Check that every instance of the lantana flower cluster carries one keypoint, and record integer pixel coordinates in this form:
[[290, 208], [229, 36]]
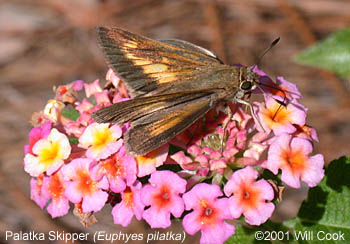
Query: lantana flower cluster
[[206, 176]]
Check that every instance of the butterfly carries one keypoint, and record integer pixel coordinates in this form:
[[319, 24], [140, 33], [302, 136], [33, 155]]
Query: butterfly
[[172, 83]]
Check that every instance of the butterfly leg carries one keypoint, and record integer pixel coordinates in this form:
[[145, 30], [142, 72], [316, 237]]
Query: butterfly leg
[[251, 111], [228, 111], [248, 98]]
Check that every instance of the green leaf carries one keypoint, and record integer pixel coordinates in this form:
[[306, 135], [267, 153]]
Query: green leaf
[[327, 208], [333, 53], [73, 140], [70, 113]]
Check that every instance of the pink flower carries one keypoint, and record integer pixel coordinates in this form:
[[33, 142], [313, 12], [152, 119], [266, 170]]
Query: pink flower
[[100, 140], [184, 161], [54, 188], [217, 162], [148, 163], [290, 154], [84, 106], [290, 89], [36, 134], [102, 98], [255, 149], [49, 154], [119, 168], [78, 85], [306, 132], [52, 110], [279, 118], [36, 193], [163, 195], [92, 88], [68, 93], [84, 119], [249, 197], [82, 188], [208, 214], [110, 75], [130, 205]]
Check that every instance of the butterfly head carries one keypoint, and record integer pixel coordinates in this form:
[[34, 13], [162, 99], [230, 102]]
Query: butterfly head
[[249, 80]]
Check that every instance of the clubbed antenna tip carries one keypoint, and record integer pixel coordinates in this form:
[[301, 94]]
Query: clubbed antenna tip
[[268, 49]]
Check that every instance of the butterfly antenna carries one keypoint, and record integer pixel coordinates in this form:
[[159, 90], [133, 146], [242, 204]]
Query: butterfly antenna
[[268, 49], [282, 103]]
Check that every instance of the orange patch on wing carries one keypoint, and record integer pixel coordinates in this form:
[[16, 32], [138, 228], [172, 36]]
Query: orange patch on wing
[[137, 60], [155, 68], [164, 77], [160, 128], [130, 44], [177, 118]]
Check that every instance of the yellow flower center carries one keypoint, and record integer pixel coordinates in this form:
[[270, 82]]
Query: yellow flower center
[[49, 154], [102, 138], [276, 114], [147, 158]]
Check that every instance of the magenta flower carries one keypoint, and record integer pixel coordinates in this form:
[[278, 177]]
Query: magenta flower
[[36, 192], [208, 214], [249, 197], [100, 140], [82, 188], [130, 205], [163, 195], [54, 188], [291, 155], [119, 168], [36, 134], [78, 85]]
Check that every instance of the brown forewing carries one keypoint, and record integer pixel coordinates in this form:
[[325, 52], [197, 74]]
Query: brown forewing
[[150, 67]]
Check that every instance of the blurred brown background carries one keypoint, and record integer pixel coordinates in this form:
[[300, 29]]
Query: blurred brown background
[[52, 42]]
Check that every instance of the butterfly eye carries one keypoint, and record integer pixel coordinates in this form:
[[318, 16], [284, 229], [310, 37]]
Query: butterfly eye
[[246, 85]]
